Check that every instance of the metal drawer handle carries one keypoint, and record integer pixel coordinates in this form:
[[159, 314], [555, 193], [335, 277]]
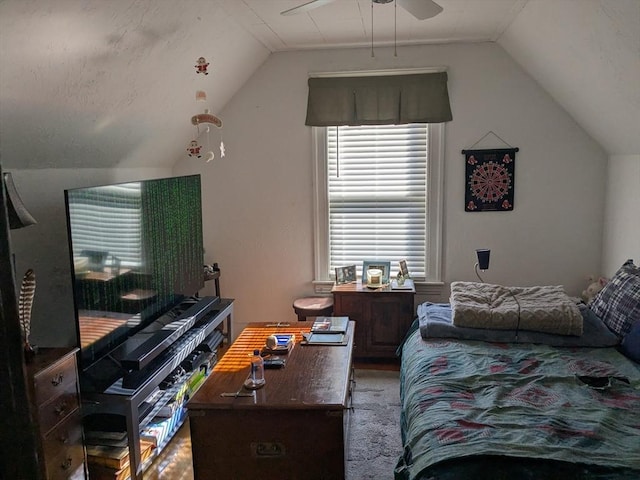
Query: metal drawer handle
[[64, 438], [66, 465], [61, 409], [57, 380]]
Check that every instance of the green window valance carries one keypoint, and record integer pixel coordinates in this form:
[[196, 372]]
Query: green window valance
[[378, 100]]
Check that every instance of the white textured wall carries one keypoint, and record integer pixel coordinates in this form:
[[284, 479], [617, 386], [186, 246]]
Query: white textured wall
[[258, 200], [622, 214], [93, 84], [586, 54]]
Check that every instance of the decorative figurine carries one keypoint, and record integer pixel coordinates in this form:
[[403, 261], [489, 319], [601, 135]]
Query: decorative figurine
[[202, 65], [194, 149]]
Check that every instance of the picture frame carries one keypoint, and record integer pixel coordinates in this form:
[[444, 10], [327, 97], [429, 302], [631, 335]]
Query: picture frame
[[404, 270], [383, 265], [345, 274]]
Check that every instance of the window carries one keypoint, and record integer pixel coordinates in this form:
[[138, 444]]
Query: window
[[378, 196]]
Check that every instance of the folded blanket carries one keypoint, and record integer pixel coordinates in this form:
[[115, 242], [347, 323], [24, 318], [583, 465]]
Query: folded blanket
[[435, 322], [540, 309]]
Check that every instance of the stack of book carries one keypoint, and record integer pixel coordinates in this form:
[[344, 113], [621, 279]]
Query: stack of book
[[112, 463], [159, 430]]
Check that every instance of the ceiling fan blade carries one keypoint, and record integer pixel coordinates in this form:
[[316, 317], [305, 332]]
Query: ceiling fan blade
[[421, 9], [305, 7]]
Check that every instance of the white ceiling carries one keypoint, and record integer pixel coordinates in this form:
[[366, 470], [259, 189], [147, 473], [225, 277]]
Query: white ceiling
[[348, 23], [94, 83]]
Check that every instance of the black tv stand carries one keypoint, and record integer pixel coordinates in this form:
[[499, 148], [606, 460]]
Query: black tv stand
[[210, 322]]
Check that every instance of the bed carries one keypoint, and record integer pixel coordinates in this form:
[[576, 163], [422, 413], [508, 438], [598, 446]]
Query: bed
[[515, 403]]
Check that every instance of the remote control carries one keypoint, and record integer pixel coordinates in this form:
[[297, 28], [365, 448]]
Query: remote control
[[274, 362]]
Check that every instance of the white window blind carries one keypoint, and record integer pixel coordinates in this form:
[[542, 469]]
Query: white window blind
[[377, 195], [108, 219]]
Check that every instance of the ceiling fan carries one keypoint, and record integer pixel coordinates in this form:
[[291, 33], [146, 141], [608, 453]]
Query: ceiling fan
[[421, 9]]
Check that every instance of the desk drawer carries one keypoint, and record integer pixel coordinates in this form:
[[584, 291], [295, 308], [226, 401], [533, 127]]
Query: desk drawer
[[53, 381], [54, 411], [63, 448]]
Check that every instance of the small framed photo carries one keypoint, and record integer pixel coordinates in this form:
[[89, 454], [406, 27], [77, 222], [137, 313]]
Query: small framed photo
[[345, 274], [404, 270], [379, 265]]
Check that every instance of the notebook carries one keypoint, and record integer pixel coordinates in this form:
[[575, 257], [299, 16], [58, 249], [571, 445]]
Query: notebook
[[328, 325], [325, 339]]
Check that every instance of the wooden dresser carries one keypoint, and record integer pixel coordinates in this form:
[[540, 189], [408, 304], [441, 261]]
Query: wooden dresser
[[53, 383], [382, 317]]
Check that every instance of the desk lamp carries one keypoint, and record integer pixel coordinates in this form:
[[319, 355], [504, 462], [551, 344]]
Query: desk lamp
[[483, 261], [19, 216]]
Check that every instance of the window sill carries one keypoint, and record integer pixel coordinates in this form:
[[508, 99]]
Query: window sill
[[422, 288]]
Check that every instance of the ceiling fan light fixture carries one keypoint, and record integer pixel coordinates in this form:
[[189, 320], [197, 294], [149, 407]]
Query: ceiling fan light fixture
[[421, 9], [305, 7]]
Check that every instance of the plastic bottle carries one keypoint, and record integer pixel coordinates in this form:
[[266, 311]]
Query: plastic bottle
[[256, 377]]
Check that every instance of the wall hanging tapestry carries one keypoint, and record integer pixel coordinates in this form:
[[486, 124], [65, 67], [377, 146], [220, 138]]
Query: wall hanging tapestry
[[489, 177]]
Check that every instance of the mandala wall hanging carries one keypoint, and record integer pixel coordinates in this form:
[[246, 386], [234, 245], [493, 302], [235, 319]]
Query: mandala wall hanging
[[489, 178]]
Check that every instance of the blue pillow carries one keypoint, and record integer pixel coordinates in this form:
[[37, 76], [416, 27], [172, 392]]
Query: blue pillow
[[631, 343]]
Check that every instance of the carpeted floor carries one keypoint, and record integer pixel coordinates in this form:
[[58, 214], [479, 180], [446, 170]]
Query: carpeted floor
[[374, 428]]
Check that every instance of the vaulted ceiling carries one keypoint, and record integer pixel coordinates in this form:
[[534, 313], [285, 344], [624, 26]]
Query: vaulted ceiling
[[89, 83]]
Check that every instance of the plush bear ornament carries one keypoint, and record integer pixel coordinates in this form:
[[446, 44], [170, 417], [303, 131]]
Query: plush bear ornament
[[593, 288]]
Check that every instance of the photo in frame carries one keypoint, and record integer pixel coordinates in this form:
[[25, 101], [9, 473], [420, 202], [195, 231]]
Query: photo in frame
[[378, 264], [404, 270], [345, 274]]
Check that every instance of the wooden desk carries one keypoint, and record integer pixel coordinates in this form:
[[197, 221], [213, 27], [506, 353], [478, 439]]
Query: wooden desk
[[383, 317], [292, 428]]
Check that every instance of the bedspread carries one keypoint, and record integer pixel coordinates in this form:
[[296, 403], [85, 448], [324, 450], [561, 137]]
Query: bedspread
[[542, 308], [462, 399]]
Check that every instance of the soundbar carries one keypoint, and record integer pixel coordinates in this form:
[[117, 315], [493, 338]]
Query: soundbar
[[173, 356], [144, 354]]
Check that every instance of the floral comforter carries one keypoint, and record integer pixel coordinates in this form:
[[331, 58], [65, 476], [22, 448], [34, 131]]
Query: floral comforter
[[470, 404]]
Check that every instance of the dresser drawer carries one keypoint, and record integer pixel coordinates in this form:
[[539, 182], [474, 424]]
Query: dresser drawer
[[58, 408], [69, 464], [55, 380], [63, 449]]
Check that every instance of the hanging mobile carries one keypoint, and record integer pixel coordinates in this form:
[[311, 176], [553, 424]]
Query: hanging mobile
[[204, 118], [210, 154]]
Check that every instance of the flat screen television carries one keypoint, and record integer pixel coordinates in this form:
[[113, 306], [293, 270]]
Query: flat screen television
[[136, 253]]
